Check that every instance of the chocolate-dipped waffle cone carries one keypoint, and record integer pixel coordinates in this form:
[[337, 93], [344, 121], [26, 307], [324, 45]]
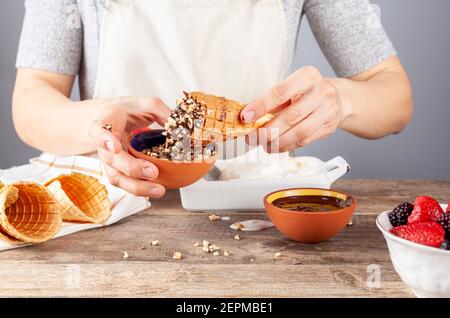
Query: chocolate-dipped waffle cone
[[222, 119], [82, 198], [28, 213]]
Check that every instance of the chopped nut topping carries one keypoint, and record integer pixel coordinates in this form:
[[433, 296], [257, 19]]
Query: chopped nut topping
[[177, 256], [277, 255], [239, 226], [205, 243], [216, 253], [142, 247], [154, 243], [350, 223], [179, 130], [213, 217], [108, 127], [206, 249], [213, 248], [196, 244], [237, 237], [226, 253], [125, 255]]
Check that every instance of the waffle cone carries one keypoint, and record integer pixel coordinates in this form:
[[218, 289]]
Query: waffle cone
[[29, 213], [222, 120], [82, 198]]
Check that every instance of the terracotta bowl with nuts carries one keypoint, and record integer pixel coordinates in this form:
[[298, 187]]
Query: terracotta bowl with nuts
[[172, 174], [309, 215]]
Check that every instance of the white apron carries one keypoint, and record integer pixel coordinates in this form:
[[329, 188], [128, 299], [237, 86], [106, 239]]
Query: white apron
[[158, 48]]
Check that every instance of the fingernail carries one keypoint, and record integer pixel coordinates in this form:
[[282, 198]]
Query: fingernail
[[109, 145], [155, 192], [148, 172], [248, 116]]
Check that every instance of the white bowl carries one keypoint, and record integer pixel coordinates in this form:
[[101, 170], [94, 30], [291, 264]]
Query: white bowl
[[426, 270]]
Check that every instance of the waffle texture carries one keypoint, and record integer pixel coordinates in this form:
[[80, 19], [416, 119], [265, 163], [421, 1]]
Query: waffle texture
[[222, 119], [29, 213], [82, 198]]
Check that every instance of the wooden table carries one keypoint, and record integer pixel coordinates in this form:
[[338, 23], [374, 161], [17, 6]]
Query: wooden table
[[91, 263]]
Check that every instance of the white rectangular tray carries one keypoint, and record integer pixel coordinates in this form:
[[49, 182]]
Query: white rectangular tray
[[248, 194]]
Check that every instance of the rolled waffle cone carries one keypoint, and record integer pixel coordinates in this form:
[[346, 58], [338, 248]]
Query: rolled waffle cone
[[222, 120], [28, 213], [82, 198]]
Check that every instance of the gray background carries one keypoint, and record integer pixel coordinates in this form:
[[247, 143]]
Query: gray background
[[420, 32]]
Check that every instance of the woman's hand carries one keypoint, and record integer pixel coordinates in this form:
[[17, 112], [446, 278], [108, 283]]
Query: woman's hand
[[125, 115], [307, 108]]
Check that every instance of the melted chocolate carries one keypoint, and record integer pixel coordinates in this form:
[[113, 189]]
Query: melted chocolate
[[311, 203]]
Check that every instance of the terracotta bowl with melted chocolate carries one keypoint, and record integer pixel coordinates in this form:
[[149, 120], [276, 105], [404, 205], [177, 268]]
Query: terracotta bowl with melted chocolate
[[309, 215], [172, 174]]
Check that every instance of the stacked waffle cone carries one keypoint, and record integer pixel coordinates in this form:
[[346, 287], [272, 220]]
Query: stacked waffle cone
[[33, 213], [29, 213], [82, 198], [222, 119]]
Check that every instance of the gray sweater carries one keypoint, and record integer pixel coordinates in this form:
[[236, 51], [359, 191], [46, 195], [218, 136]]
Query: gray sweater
[[62, 36]]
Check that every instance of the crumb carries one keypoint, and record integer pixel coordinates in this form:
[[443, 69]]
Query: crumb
[[196, 244], [226, 253], [213, 217], [125, 255], [108, 127], [216, 253], [206, 249], [225, 218], [177, 256], [205, 243], [350, 223], [239, 226], [213, 248], [277, 255], [154, 243], [142, 247], [237, 237], [252, 260]]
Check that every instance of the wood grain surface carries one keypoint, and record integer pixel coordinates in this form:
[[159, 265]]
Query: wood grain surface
[[91, 263]]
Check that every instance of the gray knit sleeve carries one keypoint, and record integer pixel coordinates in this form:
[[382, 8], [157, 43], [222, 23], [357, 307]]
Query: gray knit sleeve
[[51, 37], [349, 33]]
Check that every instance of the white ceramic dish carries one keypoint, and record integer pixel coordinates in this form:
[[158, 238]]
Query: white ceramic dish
[[240, 194], [426, 270]]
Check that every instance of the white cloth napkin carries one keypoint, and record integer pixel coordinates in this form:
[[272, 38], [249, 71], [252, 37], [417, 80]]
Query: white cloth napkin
[[48, 166]]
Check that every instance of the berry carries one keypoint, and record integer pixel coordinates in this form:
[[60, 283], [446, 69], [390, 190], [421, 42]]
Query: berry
[[426, 209], [399, 216], [446, 245], [427, 233], [444, 220], [448, 207]]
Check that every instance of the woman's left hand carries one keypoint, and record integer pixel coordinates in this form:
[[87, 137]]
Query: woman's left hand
[[307, 108]]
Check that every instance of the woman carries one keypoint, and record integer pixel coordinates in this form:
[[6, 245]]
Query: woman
[[152, 50]]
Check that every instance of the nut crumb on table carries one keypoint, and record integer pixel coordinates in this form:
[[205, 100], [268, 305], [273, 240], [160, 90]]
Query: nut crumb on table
[[177, 256], [125, 255], [154, 243]]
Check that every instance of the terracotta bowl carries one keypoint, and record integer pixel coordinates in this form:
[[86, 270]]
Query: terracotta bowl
[[309, 227], [172, 174]]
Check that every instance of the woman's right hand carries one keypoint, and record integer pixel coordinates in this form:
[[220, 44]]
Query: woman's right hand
[[126, 114]]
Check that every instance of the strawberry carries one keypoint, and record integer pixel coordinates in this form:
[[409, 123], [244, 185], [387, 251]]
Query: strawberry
[[425, 209], [448, 207], [427, 233]]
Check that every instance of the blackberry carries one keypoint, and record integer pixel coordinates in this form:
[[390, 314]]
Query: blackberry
[[399, 216], [444, 220], [446, 245]]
